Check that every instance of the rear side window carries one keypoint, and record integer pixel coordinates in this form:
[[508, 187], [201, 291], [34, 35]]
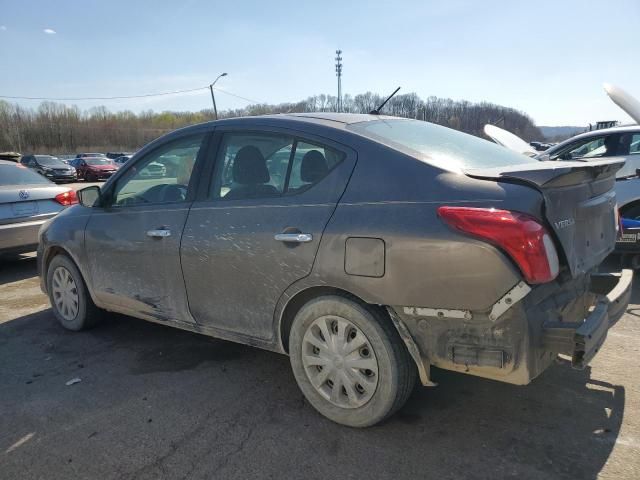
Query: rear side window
[[19, 175], [311, 163], [439, 146], [262, 165]]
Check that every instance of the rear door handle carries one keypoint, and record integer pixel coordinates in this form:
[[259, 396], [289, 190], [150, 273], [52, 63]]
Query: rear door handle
[[160, 233], [294, 237]]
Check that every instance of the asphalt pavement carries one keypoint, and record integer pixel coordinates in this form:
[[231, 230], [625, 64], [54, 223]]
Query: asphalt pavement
[[155, 402]]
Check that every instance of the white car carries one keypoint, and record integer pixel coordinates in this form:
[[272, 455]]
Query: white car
[[611, 143]]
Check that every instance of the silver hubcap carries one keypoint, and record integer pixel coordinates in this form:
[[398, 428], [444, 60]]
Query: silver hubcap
[[65, 293], [340, 362]]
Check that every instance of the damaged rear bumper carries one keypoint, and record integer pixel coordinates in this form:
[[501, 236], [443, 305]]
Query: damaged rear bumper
[[583, 340], [571, 318]]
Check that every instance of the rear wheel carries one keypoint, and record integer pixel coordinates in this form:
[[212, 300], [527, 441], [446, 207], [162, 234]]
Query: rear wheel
[[349, 361], [70, 300]]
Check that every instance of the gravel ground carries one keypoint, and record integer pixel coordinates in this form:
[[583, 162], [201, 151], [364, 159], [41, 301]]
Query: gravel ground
[[155, 402]]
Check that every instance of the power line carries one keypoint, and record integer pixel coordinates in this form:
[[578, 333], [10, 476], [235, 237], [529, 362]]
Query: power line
[[104, 98], [124, 97], [237, 96]]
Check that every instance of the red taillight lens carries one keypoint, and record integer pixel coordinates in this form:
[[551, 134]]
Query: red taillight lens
[[67, 198], [522, 237]]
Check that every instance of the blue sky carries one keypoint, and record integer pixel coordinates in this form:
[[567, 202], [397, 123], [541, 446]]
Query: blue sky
[[547, 58]]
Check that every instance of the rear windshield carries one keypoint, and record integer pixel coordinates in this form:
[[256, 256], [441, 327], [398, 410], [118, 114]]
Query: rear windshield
[[20, 175], [439, 146]]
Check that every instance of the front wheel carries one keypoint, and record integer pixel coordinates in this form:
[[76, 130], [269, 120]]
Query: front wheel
[[70, 300], [349, 361]]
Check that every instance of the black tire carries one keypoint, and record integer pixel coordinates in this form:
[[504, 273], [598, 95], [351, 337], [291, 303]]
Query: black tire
[[88, 315], [396, 373], [89, 177]]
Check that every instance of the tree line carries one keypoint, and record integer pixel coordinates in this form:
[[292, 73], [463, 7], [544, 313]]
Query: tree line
[[58, 128]]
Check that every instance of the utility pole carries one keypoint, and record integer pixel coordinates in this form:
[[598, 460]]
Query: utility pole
[[213, 98], [339, 75]]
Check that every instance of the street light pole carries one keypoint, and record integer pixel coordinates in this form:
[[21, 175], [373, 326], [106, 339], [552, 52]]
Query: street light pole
[[213, 98]]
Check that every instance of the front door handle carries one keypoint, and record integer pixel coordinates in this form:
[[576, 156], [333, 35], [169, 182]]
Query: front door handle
[[294, 237], [159, 233]]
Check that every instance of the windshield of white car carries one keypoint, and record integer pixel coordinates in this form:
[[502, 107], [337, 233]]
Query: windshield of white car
[[439, 146]]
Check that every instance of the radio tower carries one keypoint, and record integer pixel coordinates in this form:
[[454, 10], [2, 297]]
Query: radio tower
[[339, 75]]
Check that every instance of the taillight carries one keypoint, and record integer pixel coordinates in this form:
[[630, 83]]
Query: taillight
[[522, 237], [67, 198]]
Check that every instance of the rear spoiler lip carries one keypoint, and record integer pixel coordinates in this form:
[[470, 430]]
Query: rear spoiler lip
[[542, 173]]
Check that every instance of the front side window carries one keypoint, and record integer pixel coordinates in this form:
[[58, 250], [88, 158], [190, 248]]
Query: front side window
[[590, 148], [162, 176]]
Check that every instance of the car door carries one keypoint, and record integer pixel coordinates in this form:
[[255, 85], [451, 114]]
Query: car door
[[257, 228], [133, 241]]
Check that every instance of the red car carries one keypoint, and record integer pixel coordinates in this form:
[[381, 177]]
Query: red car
[[94, 168]]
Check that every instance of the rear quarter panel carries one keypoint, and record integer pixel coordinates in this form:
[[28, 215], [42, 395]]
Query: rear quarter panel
[[395, 197]]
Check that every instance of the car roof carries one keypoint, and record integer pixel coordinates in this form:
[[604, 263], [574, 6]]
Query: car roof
[[595, 133], [331, 119], [622, 129]]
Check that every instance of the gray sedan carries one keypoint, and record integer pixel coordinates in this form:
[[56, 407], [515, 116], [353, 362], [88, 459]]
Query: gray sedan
[[367, 248], [27, 200]]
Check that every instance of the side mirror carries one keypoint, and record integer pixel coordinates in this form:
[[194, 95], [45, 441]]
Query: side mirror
[[90, 196]]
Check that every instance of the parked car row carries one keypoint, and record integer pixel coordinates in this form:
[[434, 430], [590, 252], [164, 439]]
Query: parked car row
[[71, 168]]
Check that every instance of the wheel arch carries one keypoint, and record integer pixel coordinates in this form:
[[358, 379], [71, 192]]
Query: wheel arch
[[303, 296], [50, 253]]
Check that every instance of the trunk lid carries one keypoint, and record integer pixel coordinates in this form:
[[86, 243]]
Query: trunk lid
[[509, 140], [580, 204], [624, 100]]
